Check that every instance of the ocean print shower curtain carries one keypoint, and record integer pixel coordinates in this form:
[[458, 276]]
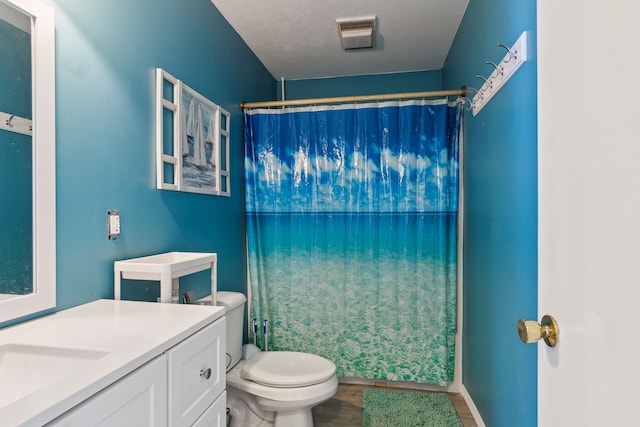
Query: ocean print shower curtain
[[352, 235]]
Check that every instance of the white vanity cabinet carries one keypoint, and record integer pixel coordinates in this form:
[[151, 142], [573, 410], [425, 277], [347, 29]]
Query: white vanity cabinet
[[153, 365], [197, 375], [139, 399], [175, 389], [216, 415]]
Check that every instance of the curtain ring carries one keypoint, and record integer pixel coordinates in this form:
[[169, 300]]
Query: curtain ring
[[512, 54], [478, 92], [464, 98]]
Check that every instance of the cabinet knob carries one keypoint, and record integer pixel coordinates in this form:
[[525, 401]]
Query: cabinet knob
[[206, 373]]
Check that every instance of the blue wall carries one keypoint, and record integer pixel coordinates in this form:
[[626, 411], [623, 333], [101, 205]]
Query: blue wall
[[363, 85], [106, 53], [500, 215]]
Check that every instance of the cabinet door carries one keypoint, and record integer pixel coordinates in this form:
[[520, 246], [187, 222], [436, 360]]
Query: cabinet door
[[215, 415], [197, 373], [136, 400]]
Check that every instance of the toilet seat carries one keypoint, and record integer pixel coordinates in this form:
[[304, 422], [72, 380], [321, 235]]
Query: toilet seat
[[287, 369], [282, 394]]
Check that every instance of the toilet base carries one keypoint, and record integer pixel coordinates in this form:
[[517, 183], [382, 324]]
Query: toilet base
[[299, 418], [251, 411], [244, 412]]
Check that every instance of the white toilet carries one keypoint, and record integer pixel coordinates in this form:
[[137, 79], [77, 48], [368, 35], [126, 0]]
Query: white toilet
[[274, 388]]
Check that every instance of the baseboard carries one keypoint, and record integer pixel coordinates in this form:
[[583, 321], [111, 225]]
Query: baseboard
[[451, 388], [472, 406]]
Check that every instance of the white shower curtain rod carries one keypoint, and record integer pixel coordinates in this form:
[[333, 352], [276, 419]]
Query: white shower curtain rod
[[339, 99]]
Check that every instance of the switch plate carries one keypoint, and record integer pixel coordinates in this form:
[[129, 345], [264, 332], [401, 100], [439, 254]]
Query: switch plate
[[113, 224]]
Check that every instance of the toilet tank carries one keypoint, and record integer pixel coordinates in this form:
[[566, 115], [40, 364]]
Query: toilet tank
[[233, 302]]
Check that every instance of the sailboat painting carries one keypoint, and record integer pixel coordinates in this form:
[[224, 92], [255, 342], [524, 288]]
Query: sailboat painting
[[199, 151]]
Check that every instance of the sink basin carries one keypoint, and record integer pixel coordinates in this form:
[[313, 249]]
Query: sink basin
[[25, 369]]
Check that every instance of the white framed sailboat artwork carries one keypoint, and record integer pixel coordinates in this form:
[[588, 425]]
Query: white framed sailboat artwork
[[192, 138]]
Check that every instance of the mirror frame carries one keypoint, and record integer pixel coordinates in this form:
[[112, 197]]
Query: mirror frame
[[44, 187]]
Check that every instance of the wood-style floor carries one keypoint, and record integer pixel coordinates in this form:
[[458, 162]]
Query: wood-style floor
[[345, 408]]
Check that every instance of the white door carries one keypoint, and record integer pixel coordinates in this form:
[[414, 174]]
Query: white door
[[589, 211]]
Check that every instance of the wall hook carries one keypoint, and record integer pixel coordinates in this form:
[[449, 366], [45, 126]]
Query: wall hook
[[486, 82], [512, 54], [498, 68], [14, 123], [478, 94], [515, 57]]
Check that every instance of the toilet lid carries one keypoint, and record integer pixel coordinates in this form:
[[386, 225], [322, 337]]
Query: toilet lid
[[287, 369]]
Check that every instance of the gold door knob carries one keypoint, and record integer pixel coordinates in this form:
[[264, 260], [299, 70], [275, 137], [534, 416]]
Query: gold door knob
[[531, 331]]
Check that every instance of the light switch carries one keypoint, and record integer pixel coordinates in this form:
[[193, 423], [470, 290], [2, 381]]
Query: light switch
[[113, 224]]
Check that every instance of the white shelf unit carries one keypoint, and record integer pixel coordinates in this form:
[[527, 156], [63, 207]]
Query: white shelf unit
[[166, 268]]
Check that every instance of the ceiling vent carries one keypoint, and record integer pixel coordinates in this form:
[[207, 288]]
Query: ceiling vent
[[356, 33]]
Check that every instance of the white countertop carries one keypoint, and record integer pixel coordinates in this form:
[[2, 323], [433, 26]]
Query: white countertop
[[131, 333]]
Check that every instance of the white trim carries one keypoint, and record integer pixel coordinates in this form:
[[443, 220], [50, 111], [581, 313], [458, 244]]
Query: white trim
[[15, 17], [44, 167], [223, 133], [174, 106], [472, 407]]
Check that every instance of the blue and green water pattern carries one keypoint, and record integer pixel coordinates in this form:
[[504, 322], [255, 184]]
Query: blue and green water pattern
[[352, 239]]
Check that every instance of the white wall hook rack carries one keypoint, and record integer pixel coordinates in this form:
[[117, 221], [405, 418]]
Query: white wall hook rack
[[14, 123], [515, 57]]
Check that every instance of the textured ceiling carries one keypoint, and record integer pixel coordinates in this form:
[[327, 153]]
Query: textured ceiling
[[298, 39]]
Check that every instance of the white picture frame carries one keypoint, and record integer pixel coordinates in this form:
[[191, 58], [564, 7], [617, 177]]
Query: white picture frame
[[192, 140]]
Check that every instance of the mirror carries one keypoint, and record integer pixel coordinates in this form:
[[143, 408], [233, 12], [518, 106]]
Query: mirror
[[27, 158], [16, 249]]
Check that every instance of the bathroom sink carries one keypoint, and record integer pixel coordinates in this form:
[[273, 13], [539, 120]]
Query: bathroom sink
[[25, 369]]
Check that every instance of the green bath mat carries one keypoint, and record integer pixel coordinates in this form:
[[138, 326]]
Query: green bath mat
[[388, 408]]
